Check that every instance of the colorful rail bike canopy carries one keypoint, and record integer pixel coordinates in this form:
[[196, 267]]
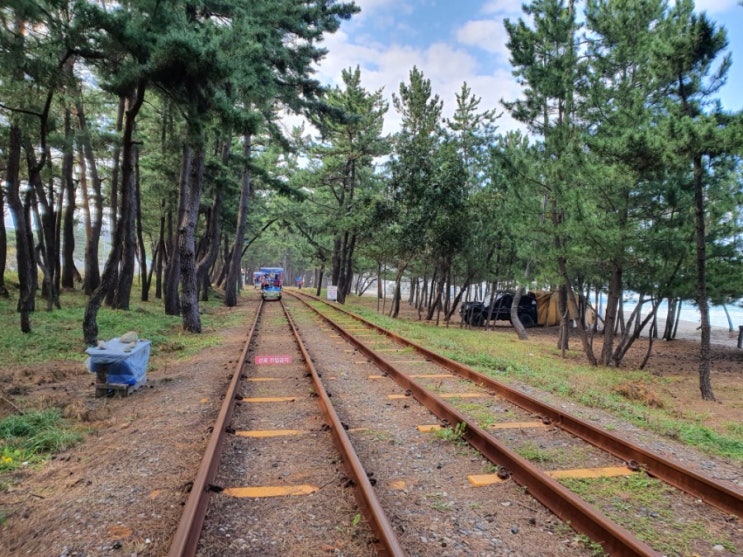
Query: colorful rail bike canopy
[[272, 280]]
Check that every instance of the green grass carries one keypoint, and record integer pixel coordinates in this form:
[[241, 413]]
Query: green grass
[[57, 334], [31, 437], [452, 434], [555, 457], [34, 436], [439, 504], [639, 503], [482, 414], [510, 361]]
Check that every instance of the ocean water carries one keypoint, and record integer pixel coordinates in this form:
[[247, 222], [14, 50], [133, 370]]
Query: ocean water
[[689, 311]]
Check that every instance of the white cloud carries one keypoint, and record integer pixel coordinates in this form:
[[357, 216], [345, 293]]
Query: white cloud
[[446, 66], [487, 34], [506, 7]]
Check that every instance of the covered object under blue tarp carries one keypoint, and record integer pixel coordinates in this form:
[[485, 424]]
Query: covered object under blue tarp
[[122, 362]]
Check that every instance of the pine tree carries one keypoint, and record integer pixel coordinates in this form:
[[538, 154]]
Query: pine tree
[[350, 139], [698, 131], [412, 168]]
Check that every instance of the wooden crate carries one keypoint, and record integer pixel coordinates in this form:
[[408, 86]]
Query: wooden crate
[[104, 388]]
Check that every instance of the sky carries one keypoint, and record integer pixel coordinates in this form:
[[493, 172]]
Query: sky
[[456, 41]]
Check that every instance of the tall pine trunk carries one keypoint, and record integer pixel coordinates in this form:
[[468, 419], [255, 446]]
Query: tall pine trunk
[[234, 272], [24, 249], [114, 205], [94, 219], [128, 240], [141, 248], [47, 226], [213, 232], [110, 271], [705, 381], [173, 267], [190, 199], [3, 248], [69, 271]]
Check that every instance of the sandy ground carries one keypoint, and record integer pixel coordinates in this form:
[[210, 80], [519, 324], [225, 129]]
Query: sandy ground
[[689, 330]]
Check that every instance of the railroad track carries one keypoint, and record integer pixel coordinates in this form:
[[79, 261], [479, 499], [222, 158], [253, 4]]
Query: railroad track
[[363, 446]]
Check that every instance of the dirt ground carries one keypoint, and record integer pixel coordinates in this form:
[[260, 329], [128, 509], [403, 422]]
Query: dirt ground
[[675, 365], [121, 491]]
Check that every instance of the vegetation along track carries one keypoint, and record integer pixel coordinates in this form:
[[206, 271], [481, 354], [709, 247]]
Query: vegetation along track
[[273, 483], [674, 511]]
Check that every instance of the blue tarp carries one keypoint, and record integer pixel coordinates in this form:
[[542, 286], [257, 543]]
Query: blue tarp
[[122, 362]]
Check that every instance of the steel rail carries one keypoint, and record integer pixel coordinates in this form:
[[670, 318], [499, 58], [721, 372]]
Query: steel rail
[[364, 491], [186, 538], [584, 518], [701, 487]]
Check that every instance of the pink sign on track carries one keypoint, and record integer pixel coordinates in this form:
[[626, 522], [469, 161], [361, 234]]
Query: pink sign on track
[[269, 360]]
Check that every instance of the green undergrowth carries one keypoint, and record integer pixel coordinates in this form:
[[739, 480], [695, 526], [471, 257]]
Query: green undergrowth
[[511, 361], [639, 503], [57, 334], [32, 437]]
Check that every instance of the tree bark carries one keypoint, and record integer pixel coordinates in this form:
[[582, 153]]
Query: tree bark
[[190, 198], [3, 248], [234, 272], [673, 306], [570, 299], [160, 254], [214, 231], [94, 221], [320, 273], [610, 316], [515, 321], [141, 248], [114, 203], [173, 269], [705, 356], [47, 233], [344, 262], [123, 291], [69, 271], [24, 250], [108, 278], [435, 301], [396, 297]]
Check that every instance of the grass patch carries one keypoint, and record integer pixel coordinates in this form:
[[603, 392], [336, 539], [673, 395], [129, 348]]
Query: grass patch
[[552, 457], [482, 414], [734, 428], [33, 437], [452, 434], [379, 436], [57, 334], [438, 502], [641, 503]]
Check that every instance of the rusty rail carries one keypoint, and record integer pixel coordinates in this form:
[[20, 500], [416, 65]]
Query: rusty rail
[[186, 538], [707, 489], [365, 494], [187, 534], [582, 517]]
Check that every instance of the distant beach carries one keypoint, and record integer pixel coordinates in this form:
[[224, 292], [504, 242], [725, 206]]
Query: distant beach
[[689, 330], [688, 325]]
